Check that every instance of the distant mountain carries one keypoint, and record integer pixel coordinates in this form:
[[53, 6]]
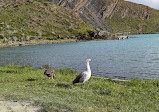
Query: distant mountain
[[115, 15]]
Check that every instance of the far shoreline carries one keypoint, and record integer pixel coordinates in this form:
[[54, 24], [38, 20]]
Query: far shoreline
[[40, 42], [43, 42]]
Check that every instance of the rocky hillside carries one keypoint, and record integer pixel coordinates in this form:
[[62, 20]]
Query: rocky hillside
[[115, 15], [25, 20], [38, 19]]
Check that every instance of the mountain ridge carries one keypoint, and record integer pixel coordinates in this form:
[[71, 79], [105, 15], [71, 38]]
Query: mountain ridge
[[98, 13]]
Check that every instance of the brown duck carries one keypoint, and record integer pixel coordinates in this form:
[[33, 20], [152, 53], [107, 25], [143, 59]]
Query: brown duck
[[50, 73]]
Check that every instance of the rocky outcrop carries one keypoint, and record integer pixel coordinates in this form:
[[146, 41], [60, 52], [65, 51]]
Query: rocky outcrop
[[140, 11], [109, 9], [91, 11], [94, 12]]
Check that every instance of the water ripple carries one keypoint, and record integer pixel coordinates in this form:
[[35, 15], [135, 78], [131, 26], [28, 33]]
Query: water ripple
[[137, 57]]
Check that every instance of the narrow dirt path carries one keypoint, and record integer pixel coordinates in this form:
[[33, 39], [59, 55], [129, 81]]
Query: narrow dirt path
[[8, 106]]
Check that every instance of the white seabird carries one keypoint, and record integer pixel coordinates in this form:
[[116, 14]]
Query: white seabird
[[84, 76]]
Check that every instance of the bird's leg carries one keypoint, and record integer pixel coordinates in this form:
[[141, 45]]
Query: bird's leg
[[52, 78], [49, 78]]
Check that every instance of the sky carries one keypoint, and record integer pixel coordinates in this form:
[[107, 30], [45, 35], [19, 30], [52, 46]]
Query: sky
[[151, 3]]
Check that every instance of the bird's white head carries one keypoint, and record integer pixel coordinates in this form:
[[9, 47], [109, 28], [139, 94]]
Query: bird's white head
[[88, 60]]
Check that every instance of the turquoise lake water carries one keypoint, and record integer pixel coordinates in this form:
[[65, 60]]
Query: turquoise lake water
[[121, 59]]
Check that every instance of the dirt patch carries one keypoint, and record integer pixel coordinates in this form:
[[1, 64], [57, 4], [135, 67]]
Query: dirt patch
[[9, 106]]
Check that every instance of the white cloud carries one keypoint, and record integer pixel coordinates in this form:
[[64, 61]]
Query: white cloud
[[150, 3]]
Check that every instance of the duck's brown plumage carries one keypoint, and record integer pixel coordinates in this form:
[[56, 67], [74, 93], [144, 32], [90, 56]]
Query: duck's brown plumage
[[50, 72]]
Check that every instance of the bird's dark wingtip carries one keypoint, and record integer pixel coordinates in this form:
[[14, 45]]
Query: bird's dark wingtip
[[73, 82]]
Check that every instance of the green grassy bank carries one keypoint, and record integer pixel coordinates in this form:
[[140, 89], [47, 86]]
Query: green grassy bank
[[38, 20], [99, 94], [37, 42]]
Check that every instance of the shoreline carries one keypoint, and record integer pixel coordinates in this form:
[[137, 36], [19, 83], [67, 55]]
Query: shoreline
[[36, 43], [93, 75], [45, 42], [42, 42]]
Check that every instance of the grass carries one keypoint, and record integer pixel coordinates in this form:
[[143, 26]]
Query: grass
[[34, 42], [99, 94], [134, 19], [30, 17]]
